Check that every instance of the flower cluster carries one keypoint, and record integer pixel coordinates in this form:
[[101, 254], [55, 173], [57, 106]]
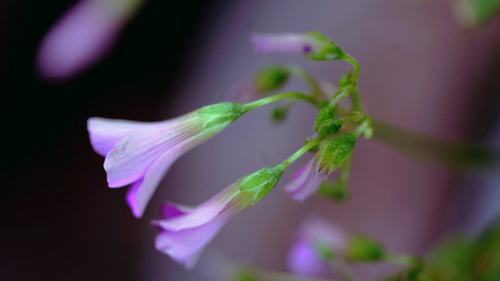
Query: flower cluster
[[139, 154]]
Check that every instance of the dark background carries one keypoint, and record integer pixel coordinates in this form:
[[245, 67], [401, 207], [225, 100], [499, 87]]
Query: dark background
[[48, 168]]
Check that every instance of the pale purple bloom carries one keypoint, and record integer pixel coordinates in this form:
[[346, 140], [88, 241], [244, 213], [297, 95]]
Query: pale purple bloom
[[283, 42], [140, 153], [305, 182], [304, 256], [83, 36], [185, 231]]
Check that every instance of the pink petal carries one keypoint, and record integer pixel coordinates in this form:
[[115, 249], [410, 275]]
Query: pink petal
[[140, 193], [202, 214], [326, 232], [185, 245], [304, 260], [282, 42], [131, 157], [83, 36], [305, 182], [105, 133]]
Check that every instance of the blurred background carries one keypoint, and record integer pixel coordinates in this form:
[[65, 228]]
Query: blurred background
[[422, 69]]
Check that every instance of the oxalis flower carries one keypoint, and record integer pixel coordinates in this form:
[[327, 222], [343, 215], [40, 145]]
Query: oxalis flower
[[140, 153], [305, 182], [314, 45], [320, 241], [83, 36], [185, 231]]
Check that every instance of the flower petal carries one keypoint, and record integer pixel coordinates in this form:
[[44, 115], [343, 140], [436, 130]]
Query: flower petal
[[202, 214], [186, 245], [105, 133], [140, 193], [304, 260], [305, 182], [82, 36], [132, 155], [283, 42]]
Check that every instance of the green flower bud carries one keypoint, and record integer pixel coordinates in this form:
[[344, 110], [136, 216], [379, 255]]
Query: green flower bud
[[256, 186], [279, 114], [324, 48], [271, 78], [326, 123], [364, 249], [244, 275], [333, 152]]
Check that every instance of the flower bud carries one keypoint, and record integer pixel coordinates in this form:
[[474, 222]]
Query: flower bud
[[279, 114], [256, 186], [324, 48], [333, 152], [271, 78], [364, 249], [326, 123]]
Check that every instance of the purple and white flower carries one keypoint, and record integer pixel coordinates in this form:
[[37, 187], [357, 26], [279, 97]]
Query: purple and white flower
[[305, 182], [304, 257], [185, 231], [140, 153], [313, 45], [83, 36]]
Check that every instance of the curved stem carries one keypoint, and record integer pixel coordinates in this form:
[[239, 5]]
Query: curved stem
[[456, 154], [283, 96], [313, 85]]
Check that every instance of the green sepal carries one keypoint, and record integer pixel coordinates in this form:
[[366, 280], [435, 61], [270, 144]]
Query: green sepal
[[364, 249], [334, 151], [326, 123], [257, 185], [323, 251], [323, 48], [219, 114], [337, 191], [271, 78]]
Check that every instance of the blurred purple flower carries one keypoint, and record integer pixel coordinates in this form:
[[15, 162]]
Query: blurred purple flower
[[305, 182], [283, 42], [140, 153], [83, 36], [184, 231], [304, 257]]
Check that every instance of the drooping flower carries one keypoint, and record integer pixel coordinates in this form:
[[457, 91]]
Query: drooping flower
[[185, 231], [315, 235], [313, 45], [140, 153], [320, 242], [83, 36], [305, 182]]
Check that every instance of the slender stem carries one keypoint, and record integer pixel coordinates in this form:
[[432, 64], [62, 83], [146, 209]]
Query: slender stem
[[283, 96], [344, 271], [297, 154], [403, 260], [313, 85], [456, 154], [355, 66]]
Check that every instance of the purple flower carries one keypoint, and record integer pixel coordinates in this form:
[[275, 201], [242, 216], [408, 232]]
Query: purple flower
[[315, 234], [140, 153], [83, 36], [184, 231], [305, 182], [314, 45]]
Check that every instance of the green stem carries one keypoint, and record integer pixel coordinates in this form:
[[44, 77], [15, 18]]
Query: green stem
[[283, 96], [297, 154], [403, 260], [313, 85], [355, 66], [459, 155]]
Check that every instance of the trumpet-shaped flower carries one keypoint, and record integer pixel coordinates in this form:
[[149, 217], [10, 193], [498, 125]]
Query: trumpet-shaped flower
[[305, 182], [315, 236], [184, 231], [83, 36], [140, 153], [314, 45], [320, 241]]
